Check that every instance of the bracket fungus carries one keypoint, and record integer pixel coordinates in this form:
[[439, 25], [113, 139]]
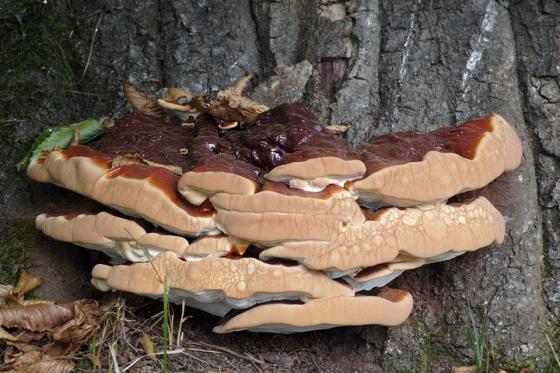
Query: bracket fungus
[[267, 217]]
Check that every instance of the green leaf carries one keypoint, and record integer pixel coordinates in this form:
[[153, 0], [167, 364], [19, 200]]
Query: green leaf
[[61, 137]]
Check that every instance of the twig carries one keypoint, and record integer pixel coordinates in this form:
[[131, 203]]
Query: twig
[[247, 357], [165, 324], [12, 120], [157, 320], [198, 359], [81, 93], [91, 47], [203, 350], [147, 255], [552, 348], [180, 332], [171, 328], [114, 357], [178, 351]]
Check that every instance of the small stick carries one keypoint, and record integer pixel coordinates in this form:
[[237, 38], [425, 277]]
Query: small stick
[[552, 348], [114, 357], [179, 332]]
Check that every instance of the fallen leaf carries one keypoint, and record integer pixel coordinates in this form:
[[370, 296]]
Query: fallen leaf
[[37, 362], [36, 318], [81, 326], [23, 347], [27, 336], [5, 293], [5, 336], [25, 284], [140, 102], [31, 302], [147, 346]]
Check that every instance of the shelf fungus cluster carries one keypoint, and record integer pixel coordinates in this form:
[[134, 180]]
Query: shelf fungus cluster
[[266, 217]]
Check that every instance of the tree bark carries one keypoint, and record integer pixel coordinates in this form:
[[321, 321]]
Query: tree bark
[[377, 66]]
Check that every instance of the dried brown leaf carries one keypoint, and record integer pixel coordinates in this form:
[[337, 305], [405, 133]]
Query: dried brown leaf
[[23, 347], [31, 302], [73, 334], [147, 346], [37, 317], [140, 102], [6, 336], [232, 98], [25, 284], [37, 362], [80, 328], [27, 336], [57, 349], [5, 293], [230, 105]]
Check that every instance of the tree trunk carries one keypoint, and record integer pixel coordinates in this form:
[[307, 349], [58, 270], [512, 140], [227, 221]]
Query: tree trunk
[[375, 65]]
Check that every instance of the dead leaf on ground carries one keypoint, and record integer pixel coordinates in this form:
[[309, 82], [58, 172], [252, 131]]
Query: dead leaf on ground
[[147, 346], [27, 336], [31, 302], [36, 318], [37, 362], [35, 331], [5, 336], [25, 284], [5, 293], [77, 331]]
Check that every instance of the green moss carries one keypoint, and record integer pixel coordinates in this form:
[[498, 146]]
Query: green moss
[[546, 268], [31, 37], [551, 350], [36, 67], [434, 348], [543, 361], [434, 344], [8, 153], [17, 234]]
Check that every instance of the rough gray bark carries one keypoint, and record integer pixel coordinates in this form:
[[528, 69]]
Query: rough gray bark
[[377, 66]]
